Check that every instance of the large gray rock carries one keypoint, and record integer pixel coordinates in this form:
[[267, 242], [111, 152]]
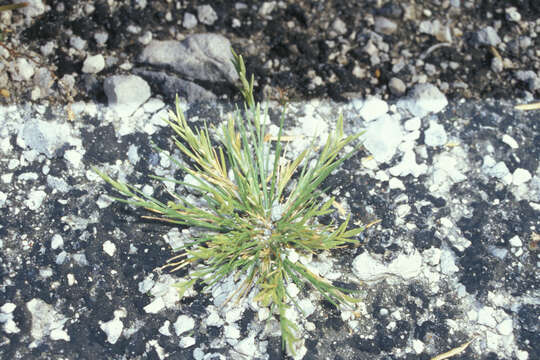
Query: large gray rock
[[200, 56], [172, 85], [126, 93]]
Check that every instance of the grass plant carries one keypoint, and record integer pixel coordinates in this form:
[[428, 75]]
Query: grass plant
[[258, 207]]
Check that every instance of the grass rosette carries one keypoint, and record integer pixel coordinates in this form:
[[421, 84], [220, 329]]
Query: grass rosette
[[258, 207]]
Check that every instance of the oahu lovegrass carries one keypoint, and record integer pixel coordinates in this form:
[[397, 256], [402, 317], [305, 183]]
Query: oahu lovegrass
[[258, 207]]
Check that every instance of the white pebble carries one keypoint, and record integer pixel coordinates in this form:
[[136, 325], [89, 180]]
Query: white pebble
[[187, 341], [164, 329], [113, 329], [435, 135], [93, 64], [521, 176], [35, 199], [155, 306], [505, 327], [508, 140], [206, 14], [24, 68], [101, 38], [373, 108], [77, 43], [190, 21], [395, 183], [418, 346], [8, 308], [412, 124], [183, 324], [59, 334], [57, 242], [109, 248], [515, 241]]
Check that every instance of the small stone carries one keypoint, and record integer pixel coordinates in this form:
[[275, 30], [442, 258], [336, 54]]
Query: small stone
[[488, 36], [34, 8], [266, 8], [190, 21], [418, 346], [57, 242], [292, 290], [307, 306], [413, 124], [402, 210], [214, 320], [8, 308], [48, 48], [395, 183], [61, 258], [113, 329], [93, 64], [183, 324], [10, 327], [153, 105], [515, 241], [77, 43], [187, 341], [448, 264], [373, 108], [497, 64], [508, 140], [247, 347], [155, 306], [126, 93], [369, 269], [206, 14], [505, 327], [486, 316], [35, 199], [234, 315], [512, 14], [24, 68], [499, 170], [71, 279], [109, 248], [339, 26], [59, 334], [44, 318], [263, 314], [521, 176], [133, 29], [522, 355], [433, 256], [435, 28], [492, 341], [424, 99], [384, 25], [3, 198], [397, 86], [145, 38], [435, 135], [231, 332], [164, 329], [383, 137], [370, 49], [101, 38]]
